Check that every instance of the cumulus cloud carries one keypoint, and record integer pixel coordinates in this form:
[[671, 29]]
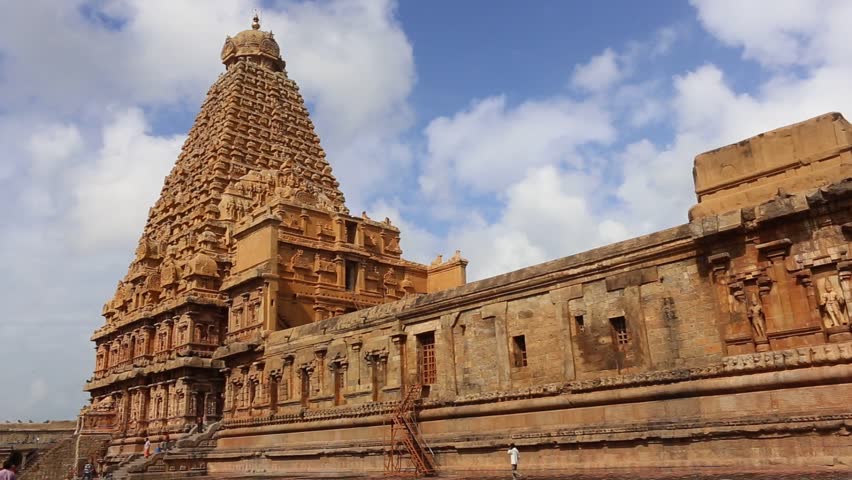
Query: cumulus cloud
[[112, 194], [489, 145], [547, 215], [787, 32], [510, 180], [83, 162], [599, 74], [50, 145]]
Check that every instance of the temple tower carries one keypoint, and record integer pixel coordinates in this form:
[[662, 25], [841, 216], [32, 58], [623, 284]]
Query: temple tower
[[250, 235]]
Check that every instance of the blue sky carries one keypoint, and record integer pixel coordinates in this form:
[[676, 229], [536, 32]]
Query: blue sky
[[516, 132]]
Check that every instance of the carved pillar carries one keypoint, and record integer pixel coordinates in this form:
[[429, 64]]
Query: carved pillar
[[319, 373], [383, 242], [719, 264], [355, 380], [170, 388], [780, 316], [144, 405], [183, 406], [339, 269], [844, 277], [123, 411], [304, 221], [396, 367], [304, 374], [288, 387], [133, 416], [167, 334], [273, 389], [244, 313], [806, 280], [338, 368], [361, 283], [227, 404], [359, 235], [339, 230]]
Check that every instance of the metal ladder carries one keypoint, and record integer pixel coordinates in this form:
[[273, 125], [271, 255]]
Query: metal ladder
[[404, 433]]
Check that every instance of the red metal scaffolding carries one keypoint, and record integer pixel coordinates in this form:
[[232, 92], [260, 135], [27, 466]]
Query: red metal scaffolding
[[406, 441]]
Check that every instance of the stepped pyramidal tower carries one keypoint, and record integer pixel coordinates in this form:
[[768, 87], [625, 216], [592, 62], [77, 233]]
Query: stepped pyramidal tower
[[269, 333], [250, 235]]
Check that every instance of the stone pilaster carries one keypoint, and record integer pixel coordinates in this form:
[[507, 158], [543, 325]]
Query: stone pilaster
[[497, 313]]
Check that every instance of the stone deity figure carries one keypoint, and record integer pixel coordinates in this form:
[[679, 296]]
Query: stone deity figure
[[758, 320], [832, 305]]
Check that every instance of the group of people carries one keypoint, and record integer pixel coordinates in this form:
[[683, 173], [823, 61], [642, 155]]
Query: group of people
[[11, 466], [162, 447]]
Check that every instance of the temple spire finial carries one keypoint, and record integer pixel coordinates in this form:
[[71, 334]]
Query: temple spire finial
[[255, 21]]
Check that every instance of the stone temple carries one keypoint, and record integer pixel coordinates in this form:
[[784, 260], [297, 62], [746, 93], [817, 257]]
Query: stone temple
[[263, 330]]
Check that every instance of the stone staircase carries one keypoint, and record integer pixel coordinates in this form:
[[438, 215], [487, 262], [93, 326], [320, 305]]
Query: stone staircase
[[137, 467], [60, 461], [133, 464], [54, 464]]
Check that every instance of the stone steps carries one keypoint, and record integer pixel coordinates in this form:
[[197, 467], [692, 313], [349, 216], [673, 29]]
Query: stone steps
[[54, 464]]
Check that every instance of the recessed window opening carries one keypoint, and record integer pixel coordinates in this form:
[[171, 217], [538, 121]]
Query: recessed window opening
[[351, 274], [351, 230], [619, 328], [426, 366], [580, 322], [519, 351]]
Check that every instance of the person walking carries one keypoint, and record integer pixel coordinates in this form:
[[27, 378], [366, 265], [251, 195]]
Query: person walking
[[11, 466], [514, 457], [146, 450], [88, 471]]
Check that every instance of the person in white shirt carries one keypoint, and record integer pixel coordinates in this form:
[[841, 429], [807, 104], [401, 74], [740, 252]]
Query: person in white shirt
[[513, 458]]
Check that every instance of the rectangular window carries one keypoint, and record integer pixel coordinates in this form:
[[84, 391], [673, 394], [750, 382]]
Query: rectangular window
[[306, 387], [351, 230], [519, 351], [351, 275], [426, 367], [339, 385], [273, 393], [619, 330], [580, 323]]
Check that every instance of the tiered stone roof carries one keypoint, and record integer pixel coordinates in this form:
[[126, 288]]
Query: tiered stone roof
[[253, 138]]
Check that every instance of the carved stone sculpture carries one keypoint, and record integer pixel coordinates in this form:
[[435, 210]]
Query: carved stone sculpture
[[757, 318], [832, 306]]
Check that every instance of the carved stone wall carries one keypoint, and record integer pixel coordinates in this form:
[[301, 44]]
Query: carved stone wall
[[256, 298], [250, 235]]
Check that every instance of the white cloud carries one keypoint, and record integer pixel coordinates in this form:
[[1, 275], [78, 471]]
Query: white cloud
[[82, 164], [599, 74], [547, 215], [50, 145], [112, 194], [491, 145], [785, 32], [85, 165]]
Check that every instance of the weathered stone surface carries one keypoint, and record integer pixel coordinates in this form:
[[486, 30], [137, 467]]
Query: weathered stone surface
[[799, 157], [250, 235], [722, 342]]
